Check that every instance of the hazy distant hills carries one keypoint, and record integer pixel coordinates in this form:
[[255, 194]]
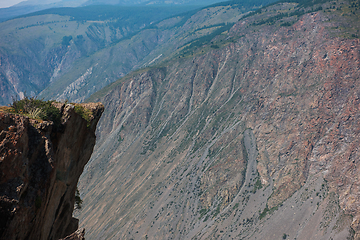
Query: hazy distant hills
[[54, 3], [77, 3], [30, 6], [38, 49], [152, 2], [70, 53]]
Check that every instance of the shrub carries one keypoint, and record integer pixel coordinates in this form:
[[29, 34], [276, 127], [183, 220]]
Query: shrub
[[84, 113], [36, 113], [78, 200], [287, 24], [66, 40], [37, 109]]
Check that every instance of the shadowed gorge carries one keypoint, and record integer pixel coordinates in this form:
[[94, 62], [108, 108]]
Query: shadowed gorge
[[39, 170]]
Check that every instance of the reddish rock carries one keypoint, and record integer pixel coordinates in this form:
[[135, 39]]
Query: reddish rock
[[296, 87]]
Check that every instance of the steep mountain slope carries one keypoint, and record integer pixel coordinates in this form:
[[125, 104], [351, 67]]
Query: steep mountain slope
[[252, 135]]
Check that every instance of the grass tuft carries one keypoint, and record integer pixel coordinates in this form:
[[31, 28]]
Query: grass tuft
[[36, 109], [84, 113]]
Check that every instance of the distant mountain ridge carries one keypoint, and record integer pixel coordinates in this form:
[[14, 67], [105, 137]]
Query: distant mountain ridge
[[70, 53], [31, 6]]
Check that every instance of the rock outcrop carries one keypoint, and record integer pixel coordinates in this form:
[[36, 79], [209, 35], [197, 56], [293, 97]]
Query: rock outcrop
[[40, 164]]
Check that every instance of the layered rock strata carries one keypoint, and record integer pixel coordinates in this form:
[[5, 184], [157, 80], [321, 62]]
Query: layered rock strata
[[40, 164], [174, 156]]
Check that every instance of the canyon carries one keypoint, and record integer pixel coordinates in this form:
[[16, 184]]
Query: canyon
[[228, 122], [71, 53], [253, 139]]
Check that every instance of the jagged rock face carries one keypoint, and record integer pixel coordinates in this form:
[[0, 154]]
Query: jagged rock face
[[183, 149], [78, 235], [39, 170]]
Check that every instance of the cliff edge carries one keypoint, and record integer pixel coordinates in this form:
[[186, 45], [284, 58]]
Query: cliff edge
[[40, 164]]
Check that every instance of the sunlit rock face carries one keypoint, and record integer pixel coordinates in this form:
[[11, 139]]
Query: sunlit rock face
[[254, 139]]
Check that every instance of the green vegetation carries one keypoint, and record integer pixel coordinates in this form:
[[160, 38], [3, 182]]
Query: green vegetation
[[117, 16], [66, 40], [78, 200], [217, 211], [236, 206], [305, 3], [273, 19], [203, 212], [45, 110], [250, 4], [257, 184], [207, 39], [37, 109], [84, 113], [303, 7], [267, 211]]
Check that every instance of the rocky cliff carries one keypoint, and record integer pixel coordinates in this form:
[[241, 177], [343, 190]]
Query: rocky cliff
[[40, 164], [254, 136]]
